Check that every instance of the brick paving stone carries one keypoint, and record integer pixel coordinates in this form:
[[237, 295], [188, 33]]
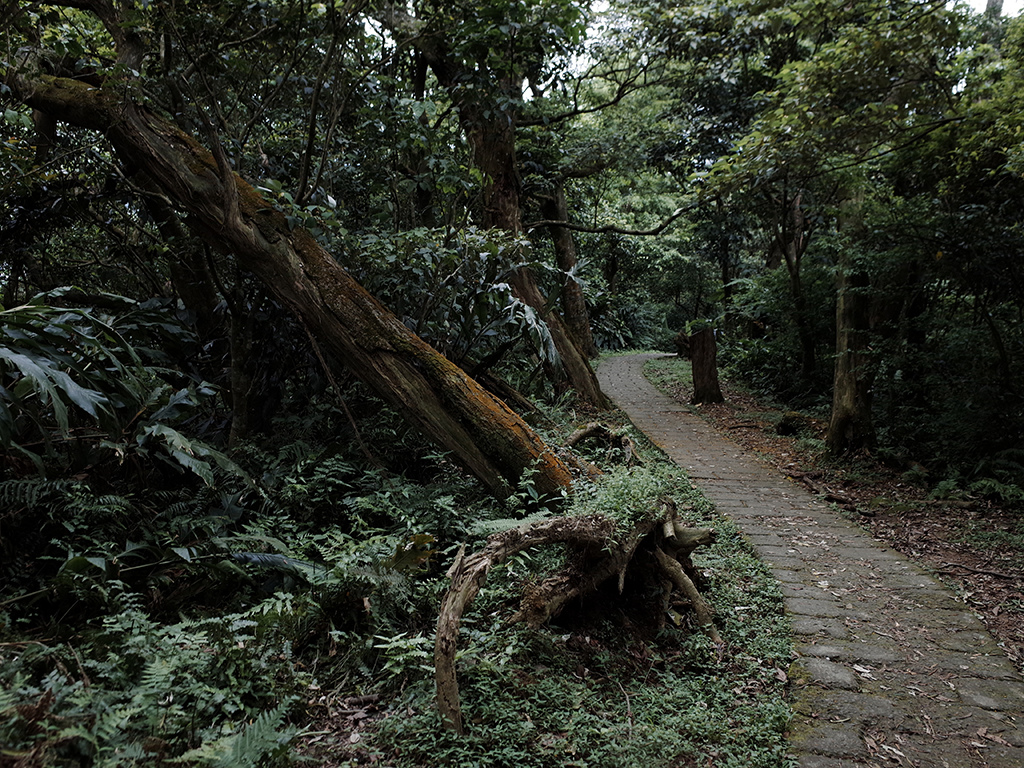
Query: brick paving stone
[[890, 669]]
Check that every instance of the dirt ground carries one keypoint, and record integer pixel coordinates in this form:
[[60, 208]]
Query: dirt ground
[[974, 545]]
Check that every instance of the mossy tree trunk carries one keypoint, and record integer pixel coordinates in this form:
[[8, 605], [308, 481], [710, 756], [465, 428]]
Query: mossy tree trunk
[[851, 427], [490, 439]]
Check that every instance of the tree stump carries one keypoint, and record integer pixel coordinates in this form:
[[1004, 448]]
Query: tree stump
[[704, 357]]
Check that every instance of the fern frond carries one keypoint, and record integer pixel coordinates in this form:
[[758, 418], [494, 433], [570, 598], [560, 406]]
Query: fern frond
[[311, 572], [29, 492], [488, 527], [261, 737]]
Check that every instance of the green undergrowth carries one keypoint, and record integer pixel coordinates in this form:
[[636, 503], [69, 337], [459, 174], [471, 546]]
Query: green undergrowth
[[604, 685], [215, 623], [668, 373]]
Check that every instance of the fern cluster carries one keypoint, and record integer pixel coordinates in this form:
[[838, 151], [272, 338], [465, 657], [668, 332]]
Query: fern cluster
[[206, 692]]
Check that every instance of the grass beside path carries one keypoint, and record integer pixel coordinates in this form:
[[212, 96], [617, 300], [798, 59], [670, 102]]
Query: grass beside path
[[603, 686]]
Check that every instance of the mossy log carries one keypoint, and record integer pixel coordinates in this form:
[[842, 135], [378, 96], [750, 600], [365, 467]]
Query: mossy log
[[596, 554]]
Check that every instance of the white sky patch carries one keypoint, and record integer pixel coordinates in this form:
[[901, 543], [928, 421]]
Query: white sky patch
[[1010, 7]]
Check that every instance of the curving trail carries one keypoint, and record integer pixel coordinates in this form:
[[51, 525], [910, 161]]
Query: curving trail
[[891, 669]]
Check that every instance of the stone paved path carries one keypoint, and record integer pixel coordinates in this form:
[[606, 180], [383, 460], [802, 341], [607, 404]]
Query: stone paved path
[[891, 670]]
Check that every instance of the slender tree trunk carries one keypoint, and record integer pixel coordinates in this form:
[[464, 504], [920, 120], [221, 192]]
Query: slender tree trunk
[[574, 306], [804, 332], [851, 427], [489, 438], [791, 240]]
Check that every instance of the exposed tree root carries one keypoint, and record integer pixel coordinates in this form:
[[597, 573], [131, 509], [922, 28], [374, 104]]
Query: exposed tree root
[[614, 439], [596, 555]]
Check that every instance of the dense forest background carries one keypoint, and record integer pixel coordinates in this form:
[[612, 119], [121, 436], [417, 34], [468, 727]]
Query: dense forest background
[[301, 294]]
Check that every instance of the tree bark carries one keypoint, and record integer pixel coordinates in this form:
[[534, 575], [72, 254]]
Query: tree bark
[[493, 145], [851, 427], [792, 236], [491, 440], [491, 134], [704, 359], [574, 306]]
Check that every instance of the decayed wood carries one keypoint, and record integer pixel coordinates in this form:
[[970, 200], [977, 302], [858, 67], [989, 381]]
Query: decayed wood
[[596, 558], [593, 429], [674, 571], [468, 574], [544, 601], [601, 432]]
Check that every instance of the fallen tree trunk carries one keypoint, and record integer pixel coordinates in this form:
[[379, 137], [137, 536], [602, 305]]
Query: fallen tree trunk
[[490, 439], [596, 555]]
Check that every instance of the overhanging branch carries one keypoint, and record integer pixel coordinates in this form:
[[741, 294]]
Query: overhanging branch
[[611, 228]]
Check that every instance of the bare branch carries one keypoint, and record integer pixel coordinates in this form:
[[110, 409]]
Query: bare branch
[[632, 83], [611, 228]]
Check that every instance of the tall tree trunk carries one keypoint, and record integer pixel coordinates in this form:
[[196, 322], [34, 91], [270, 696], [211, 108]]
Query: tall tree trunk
[[577, 318], [493, 144], [851, 427], [804, 332], [792, 236], [490, 131], [489, 438]]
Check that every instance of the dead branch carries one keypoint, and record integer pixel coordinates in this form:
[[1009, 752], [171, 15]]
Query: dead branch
[[982, 571], [468, 574], [604, 434], [842, 501], [609, 229], [674, 572]]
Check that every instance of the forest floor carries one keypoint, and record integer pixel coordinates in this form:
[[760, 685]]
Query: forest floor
[[974, 545]]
